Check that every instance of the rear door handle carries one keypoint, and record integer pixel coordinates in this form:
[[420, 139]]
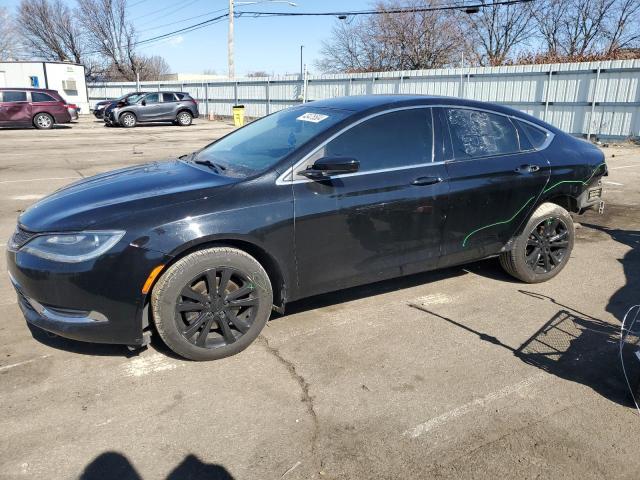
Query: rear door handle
[[527, 169], [422, 181]]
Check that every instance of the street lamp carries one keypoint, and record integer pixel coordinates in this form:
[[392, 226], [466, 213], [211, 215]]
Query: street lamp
[[301, 72], [232, 68]]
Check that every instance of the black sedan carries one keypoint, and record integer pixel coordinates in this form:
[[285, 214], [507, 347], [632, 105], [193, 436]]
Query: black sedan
[[310, 199]]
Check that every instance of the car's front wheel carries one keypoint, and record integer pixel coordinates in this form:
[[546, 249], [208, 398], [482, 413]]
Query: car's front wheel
[[43, 121], [543, 248], [128, 120], [212, 303]]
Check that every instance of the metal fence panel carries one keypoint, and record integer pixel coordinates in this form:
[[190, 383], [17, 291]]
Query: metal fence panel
[[601, 98]]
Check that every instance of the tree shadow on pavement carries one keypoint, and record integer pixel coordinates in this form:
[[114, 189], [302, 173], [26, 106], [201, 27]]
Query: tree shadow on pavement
[[574, 346], [115, 466]]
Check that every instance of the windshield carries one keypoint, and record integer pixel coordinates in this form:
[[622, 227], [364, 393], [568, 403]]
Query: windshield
[[133, 97], [265, 142]]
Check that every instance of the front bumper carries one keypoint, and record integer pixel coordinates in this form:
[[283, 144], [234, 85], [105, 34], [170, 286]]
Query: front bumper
[[96, 301]]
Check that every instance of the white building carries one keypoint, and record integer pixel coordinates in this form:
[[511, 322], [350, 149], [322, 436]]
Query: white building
[[67, 78]]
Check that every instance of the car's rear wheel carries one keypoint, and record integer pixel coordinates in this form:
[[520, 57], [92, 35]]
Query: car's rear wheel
[[184, 119], [128, 120], [212, 303], [544, 247], [43, 121]]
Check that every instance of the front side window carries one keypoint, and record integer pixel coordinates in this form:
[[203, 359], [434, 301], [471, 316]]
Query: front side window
[[41, 97], [264, 142], [476, 134], [153, 98], [14, 96], [391, 140]]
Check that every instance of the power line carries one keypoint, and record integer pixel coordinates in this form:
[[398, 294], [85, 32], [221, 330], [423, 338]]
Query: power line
[[335, 14], [460, 6], [182, 20]]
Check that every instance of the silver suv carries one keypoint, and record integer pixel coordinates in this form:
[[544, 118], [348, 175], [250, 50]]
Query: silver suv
[[176, 107]]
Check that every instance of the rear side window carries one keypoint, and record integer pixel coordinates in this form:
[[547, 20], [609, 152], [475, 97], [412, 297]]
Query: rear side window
[[476, 134], [168, 97], [14, 96], [182, 96], [395, 139], [534, 135], [41, 97]]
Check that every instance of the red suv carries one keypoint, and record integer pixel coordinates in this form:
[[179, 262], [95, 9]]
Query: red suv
[[39, 107]]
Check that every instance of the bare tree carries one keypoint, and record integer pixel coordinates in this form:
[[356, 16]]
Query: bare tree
[[498, 31], [7, 36], [110, 34], [153, 67], [578, 28], [50, 31], [394, 41]]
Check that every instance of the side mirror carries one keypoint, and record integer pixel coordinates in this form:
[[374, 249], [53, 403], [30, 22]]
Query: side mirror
[[326, 167], [143, 103]]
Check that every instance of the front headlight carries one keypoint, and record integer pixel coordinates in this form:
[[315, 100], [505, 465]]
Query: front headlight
[[72, 247]]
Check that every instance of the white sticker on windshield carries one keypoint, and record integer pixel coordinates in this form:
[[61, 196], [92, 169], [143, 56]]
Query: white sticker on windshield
[[312, 117]]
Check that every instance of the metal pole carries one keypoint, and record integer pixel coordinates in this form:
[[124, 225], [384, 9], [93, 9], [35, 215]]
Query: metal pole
[[546, 96], [268, 95], [232, 68], [593, 103], [305, 85], [206, 97], [137, 81], [301, 67]]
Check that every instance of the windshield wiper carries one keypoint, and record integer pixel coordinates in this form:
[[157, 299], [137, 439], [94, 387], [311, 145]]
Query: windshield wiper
[[214, 166]]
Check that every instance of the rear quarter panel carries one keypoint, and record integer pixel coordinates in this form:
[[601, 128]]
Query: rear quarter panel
[[576, 165]]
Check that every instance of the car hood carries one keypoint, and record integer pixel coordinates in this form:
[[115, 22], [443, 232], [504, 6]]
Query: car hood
[[108, 198]]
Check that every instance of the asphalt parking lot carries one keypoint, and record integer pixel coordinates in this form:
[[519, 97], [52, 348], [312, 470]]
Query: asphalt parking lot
[[461, 373]]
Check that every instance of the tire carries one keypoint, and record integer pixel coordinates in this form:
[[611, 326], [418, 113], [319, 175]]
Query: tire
[[200, 323], [543, 248], [184, 119], [43, 121], [127, 120]]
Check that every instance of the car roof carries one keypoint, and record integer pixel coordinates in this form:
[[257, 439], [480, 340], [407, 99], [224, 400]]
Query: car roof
[[25, 89], [367, 103]]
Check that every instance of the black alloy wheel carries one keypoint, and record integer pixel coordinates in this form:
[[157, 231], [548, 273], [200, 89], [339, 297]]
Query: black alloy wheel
[[212, 303], [543, 248], [547, 245], [216, 307]]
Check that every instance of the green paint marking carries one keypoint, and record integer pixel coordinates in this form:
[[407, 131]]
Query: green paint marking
[[464, 242], [583, 182]]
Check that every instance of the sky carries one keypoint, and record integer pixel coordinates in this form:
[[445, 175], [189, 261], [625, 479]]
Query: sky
[[269, 44]]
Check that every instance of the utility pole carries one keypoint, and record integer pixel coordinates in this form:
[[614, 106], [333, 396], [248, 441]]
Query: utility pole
[[232, 68], [301, 67]]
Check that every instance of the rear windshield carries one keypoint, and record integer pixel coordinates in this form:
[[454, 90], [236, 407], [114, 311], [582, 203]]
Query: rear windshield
[[265, 142]]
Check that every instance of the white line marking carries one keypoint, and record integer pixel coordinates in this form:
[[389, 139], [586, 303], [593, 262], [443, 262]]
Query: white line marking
[[624, 166], [38, 179], [140, 366], [7, 367], [614, 183], [433, 299], [27, 197], [468, 407]]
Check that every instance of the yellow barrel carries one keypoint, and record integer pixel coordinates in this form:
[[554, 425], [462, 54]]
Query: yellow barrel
[[238, 115]]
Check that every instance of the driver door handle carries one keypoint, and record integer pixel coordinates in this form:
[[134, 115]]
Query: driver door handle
[[527, 169], [423, 181]]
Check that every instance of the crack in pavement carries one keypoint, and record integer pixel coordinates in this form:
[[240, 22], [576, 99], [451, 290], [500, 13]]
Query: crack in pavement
[[304, 387]]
